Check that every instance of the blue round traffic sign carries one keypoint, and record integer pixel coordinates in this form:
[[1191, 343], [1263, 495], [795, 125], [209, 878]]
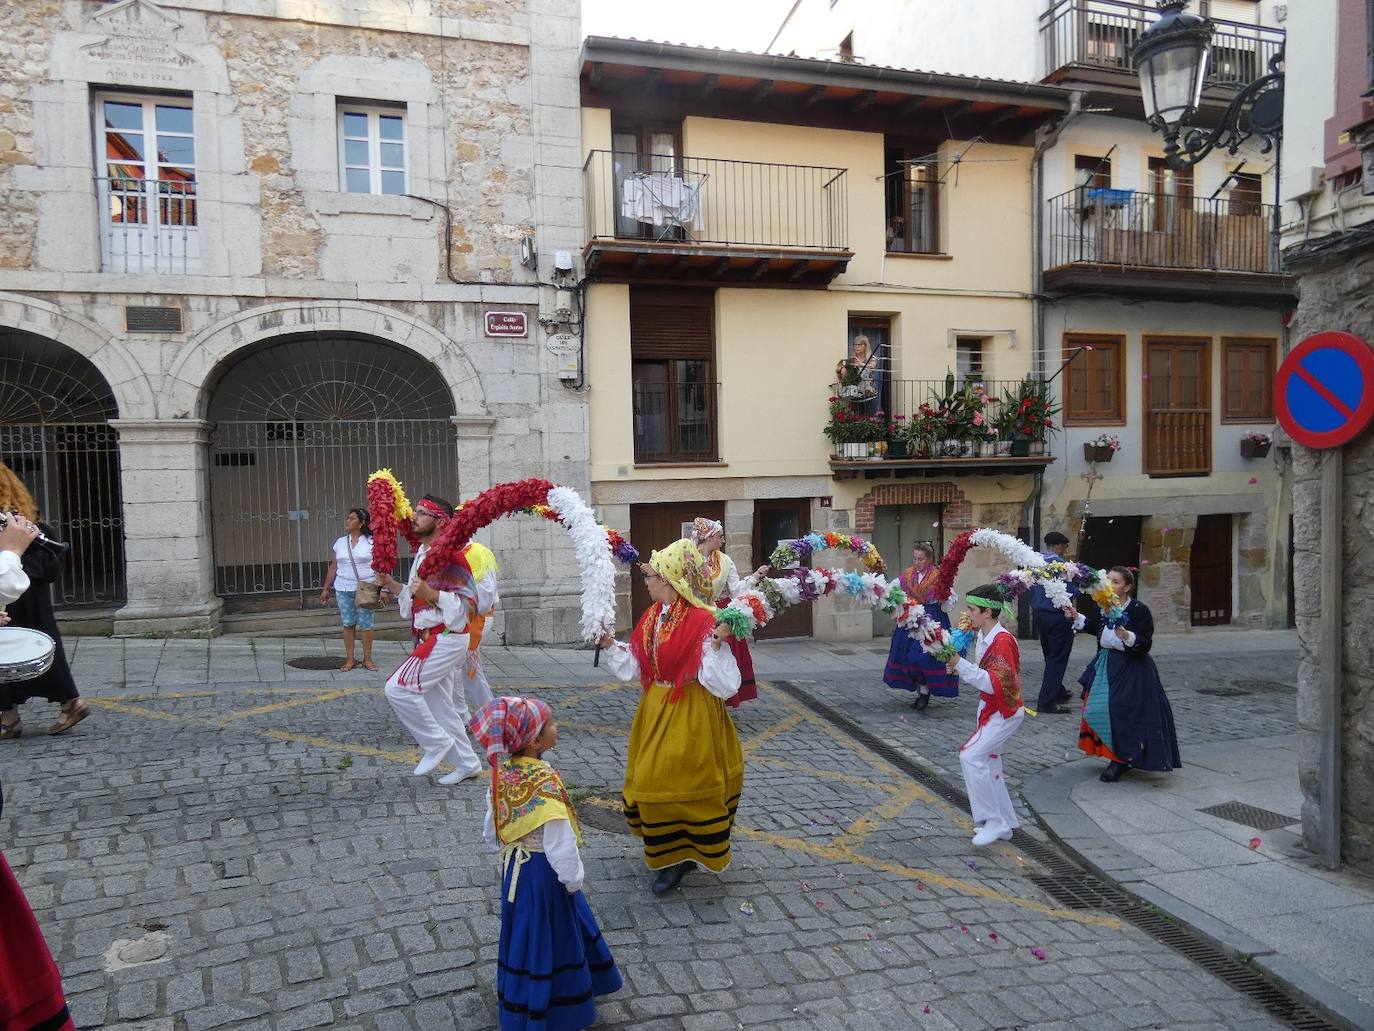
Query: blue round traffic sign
[[1324, 390]]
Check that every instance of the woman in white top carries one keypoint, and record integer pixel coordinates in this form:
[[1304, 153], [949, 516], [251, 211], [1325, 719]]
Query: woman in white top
[[352, 560]]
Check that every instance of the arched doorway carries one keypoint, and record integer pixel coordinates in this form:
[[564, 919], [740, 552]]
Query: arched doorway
[[298, 425], [55, 412]]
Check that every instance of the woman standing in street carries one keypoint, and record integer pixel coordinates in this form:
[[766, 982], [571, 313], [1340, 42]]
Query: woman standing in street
[[33, 609], [352, 561], [1127, 718], [909, 667], [709, 537]]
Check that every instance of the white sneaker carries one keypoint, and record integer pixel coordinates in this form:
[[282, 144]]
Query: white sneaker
[[990, 832], [430, 760], [458, 776]]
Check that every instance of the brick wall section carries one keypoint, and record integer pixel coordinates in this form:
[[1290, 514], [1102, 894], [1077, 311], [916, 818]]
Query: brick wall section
[[958, 511]]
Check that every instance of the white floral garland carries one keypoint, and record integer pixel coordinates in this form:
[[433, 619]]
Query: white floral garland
[[593, 561]]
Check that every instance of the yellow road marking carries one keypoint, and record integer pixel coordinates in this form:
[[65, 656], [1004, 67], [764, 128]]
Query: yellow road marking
[[763, 737], [875, 818], [316, 696]]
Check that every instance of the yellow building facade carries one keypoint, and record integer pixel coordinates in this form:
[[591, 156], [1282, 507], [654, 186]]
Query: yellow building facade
[[749, 220]]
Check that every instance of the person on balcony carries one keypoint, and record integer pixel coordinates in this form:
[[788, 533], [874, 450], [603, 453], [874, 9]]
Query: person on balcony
[[709, 537], [909, 667], [684, 770], [1127, 719]]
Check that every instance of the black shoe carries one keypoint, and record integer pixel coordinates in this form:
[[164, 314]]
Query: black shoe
[[1054, 710], [922, 700], [1113, 773], [670, 877], [1064, 696]]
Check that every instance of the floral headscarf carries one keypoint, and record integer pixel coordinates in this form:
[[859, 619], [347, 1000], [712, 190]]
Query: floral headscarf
[[704, 529], [681, 564], [507, 724]]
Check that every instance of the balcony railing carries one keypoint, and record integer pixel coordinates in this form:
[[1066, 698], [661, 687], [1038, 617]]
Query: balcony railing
[[148, 225], [715, 201], [1145, 230], [1101, 33], [900, 400], [1178, 442], [676, 423]]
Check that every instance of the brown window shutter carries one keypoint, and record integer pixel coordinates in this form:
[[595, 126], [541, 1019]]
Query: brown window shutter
[[671, 324]]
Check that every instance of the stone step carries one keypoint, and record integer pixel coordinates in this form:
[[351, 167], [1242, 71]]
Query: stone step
[[322, 622]]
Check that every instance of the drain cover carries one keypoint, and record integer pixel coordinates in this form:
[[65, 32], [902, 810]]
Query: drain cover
[[1249, 816], [315, 662], [604, 812]]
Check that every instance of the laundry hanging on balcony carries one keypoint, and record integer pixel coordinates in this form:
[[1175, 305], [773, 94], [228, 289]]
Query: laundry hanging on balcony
[[664, 199]]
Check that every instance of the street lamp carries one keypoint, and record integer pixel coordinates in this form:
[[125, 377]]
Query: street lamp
[[1171, 58]]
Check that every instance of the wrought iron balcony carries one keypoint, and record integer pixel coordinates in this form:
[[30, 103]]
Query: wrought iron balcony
[[676, 423], [1123, 241], [944, 450], [148, 225], [1099, 34], [714, 220]]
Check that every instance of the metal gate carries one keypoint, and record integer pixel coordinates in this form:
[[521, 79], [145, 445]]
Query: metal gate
[[298, 426], [280, 491], [55, 408]]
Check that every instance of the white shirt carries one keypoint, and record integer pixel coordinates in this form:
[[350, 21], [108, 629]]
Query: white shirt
[[13, 580], [451, 610], [344, 580], [719, 672]]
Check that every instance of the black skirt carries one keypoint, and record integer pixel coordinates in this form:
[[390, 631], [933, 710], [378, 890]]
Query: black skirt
[[33, 609]]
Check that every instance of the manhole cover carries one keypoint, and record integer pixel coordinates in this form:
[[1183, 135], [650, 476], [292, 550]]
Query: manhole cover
[[1249, 816], [315, 662], [604, 812], [1222, 692]]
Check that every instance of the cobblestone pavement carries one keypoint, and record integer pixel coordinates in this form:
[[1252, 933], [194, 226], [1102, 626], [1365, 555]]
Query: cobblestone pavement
[[226, 845]]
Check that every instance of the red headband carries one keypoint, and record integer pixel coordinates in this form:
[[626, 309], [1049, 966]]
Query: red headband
[[430, 508]]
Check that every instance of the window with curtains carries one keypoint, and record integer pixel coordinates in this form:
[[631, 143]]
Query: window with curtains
[[912, 199], [672, 372], [1248, 377], [1095, 381]]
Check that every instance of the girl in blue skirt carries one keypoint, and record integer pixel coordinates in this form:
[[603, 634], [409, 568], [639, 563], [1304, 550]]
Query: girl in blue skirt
[[909, 666], [552, 961]]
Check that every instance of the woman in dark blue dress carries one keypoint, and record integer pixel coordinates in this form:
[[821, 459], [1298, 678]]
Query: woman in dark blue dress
[[909, 666], [1127, 718]]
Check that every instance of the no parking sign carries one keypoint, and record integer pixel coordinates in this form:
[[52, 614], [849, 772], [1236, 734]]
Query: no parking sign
[[1324, 390]]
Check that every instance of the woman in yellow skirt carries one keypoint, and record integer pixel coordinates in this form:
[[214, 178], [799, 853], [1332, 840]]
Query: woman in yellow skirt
[[685, 770]]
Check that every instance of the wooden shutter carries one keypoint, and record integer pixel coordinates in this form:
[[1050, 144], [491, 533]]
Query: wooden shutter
[[670, 324]]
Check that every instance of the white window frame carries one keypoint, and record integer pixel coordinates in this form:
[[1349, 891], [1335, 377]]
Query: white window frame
[[964, 350], [165, 236], [375, 168]]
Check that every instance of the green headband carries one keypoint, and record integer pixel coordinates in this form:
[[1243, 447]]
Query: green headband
[[986, 603]]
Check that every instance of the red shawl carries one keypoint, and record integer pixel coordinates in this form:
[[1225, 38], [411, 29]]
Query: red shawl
[[30, 987], [1002, 661], [672, 655], [921, 589]]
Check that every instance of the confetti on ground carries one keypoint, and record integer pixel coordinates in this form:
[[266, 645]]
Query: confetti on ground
[[805, 887], [1038, 952], [925, 1009], [1254, 480], [992, 935], [747, 908], [1254, 843]]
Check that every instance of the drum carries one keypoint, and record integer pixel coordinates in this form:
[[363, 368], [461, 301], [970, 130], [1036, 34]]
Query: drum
[[24, 653]]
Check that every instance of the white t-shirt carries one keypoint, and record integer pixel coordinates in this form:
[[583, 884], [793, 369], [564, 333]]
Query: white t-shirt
[[344, 580]]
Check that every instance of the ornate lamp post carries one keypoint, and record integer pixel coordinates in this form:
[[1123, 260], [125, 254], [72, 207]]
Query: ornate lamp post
[[1171, 59]]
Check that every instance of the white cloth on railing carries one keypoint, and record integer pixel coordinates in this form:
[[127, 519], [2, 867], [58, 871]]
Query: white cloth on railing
[[662, 199]]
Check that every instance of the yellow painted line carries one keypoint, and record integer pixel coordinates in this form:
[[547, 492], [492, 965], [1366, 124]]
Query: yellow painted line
[[875, 818], [842, 854], [839, 777], [261, 710], [410, 755], [596, 728], [763, 737]]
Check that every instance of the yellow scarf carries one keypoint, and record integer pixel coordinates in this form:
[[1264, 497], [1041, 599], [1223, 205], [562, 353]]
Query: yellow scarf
[[529, 793]]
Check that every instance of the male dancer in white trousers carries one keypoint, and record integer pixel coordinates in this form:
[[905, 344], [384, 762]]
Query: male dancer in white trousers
[[424, 691]]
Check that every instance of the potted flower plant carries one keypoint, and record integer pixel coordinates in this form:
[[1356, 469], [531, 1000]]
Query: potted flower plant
[[1102, 447], [847, 430], [1255, 444], [1034, 412], [897, 439]]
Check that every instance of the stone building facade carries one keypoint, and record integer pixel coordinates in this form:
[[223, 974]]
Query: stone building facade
[[248, 255]]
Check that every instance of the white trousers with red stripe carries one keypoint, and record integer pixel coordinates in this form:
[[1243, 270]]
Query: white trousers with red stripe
[[981, 760], [435, 710]]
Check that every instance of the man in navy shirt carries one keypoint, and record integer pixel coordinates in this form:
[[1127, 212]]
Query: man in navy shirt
[[1056, 633]]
